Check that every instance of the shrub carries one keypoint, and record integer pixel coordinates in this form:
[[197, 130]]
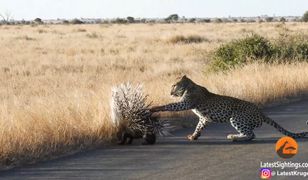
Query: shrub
[[186, 39], [242, 20], [235, 20], [27, 38], [290, 48], [305, 17], [257, 48], [76, 21], [80, 30], [41, 31], [241, 51], [93, 35]]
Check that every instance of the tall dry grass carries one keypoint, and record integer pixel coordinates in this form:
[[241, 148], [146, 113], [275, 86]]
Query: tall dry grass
[[262, 84], [56, 79], [49, 127]]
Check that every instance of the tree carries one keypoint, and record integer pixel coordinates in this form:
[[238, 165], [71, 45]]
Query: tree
[[143, 20], [6, 17], [120, 21], [218, 20], [130, 19], [282, 19], [235, 20], [305, 17], [243, 20], [192, 20], [269, 19], [205, 20], [77, 21], [38, 21], [65, 22], [172, 17]]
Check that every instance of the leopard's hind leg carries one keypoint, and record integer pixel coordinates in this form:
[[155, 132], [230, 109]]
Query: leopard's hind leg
[[244, 127]]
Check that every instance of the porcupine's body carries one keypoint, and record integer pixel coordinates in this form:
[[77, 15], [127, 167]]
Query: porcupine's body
[[126, 135], [130, 114]]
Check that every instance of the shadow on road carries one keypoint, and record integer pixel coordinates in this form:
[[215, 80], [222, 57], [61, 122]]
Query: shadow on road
[[222, 142]]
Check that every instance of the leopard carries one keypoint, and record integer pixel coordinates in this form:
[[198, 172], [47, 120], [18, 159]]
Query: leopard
[[243, 116]]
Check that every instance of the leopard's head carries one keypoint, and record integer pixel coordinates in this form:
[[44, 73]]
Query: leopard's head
[[179, 88]]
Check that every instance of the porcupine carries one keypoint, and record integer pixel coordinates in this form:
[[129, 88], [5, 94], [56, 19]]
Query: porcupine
[[129, 112]]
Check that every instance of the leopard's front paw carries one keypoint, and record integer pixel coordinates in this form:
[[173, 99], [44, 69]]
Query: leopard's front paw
[[192, 137]]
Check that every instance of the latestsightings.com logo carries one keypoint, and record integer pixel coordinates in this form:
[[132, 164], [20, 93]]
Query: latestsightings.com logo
[[266, 173], [286, 147]]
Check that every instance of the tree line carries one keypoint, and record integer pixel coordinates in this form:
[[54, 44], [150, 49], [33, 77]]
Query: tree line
[[6, 18]]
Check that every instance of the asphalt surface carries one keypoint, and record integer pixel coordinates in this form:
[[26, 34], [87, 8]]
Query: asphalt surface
[[211, 157]]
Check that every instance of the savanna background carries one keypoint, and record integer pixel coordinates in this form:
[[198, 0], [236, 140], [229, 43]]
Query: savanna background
[[56, 79]]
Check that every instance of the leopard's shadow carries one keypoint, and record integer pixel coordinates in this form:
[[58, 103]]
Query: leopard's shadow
[[182, 141]]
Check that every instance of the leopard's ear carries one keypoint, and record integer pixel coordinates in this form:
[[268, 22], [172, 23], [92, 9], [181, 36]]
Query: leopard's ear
[[186, 78], [181, 77]]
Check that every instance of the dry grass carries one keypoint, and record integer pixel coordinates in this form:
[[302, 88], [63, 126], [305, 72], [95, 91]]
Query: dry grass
[[56, 80], [262, 83], [186, 39], [50, 127]]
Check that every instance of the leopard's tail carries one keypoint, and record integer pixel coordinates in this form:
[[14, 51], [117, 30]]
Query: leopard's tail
[[283, 130]]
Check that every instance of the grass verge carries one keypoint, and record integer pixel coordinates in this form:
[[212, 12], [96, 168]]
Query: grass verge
[[262, 83], [52, 127]]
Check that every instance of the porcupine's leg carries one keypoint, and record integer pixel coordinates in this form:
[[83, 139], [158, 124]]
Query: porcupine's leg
[[130, 139], [125, 138], [152, 138], [122, 138], [149, 138]]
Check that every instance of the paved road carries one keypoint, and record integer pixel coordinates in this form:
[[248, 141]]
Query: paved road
[[211, 157]]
